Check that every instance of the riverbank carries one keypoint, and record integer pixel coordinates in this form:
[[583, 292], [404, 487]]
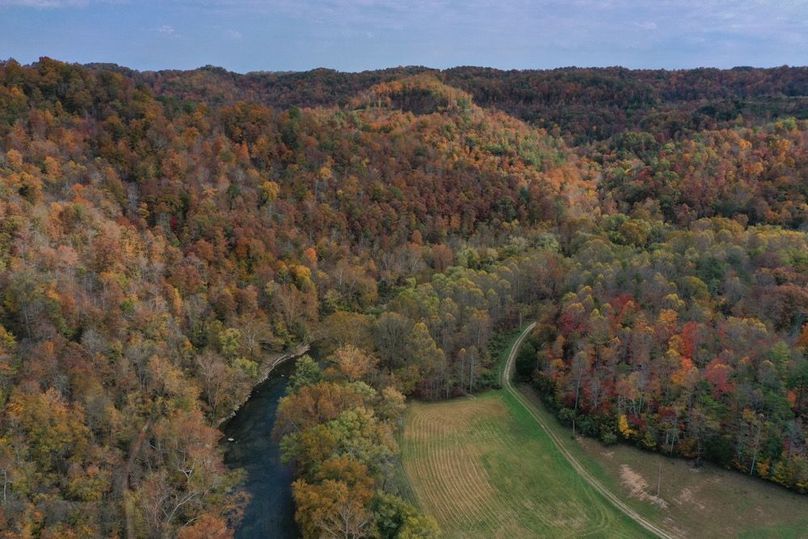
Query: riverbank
[[248, 445], [265, 370]]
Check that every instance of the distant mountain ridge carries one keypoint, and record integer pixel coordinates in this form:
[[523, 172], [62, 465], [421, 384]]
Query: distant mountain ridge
[[586, 104]]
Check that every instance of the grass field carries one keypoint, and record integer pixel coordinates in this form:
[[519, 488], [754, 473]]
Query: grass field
[[482, 469], [693, 502]]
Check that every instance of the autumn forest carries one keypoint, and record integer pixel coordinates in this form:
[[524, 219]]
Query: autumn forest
[[165, 236]]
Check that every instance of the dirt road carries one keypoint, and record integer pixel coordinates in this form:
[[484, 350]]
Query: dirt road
[[579, 468]]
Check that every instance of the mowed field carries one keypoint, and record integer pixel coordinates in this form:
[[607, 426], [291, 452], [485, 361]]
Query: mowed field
[[482, 468], [701, 502], [707, 502]]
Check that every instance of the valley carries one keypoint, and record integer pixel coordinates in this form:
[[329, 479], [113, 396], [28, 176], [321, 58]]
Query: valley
[[166, 236]]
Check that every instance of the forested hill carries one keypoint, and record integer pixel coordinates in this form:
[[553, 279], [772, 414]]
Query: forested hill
[[154, 252], [584, 104], [163, 235]]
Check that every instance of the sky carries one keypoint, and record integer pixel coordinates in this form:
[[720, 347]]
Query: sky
[[355, 35]]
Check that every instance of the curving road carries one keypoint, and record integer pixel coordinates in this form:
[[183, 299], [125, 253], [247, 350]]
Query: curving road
[[585, 475]]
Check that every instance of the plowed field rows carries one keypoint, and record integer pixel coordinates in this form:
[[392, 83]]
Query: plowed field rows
[[483, 469]]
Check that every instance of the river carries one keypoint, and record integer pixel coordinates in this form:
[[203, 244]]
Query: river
[[270, 512]]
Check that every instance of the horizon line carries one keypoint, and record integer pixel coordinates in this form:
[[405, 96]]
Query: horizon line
[[212, 67]]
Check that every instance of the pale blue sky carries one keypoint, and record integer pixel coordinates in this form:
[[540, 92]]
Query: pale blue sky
[[352, 35]]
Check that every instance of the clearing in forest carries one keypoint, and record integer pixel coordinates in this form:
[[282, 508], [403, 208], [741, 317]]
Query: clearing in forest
[[482, 468], [693, 502], [697, 502]]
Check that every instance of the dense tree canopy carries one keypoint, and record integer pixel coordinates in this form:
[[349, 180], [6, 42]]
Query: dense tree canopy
[[163, 236], [694, 346]]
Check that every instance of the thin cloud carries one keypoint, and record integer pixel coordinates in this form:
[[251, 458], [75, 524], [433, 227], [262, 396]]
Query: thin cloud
[[441, 33], [56, 4], [41, 4]]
